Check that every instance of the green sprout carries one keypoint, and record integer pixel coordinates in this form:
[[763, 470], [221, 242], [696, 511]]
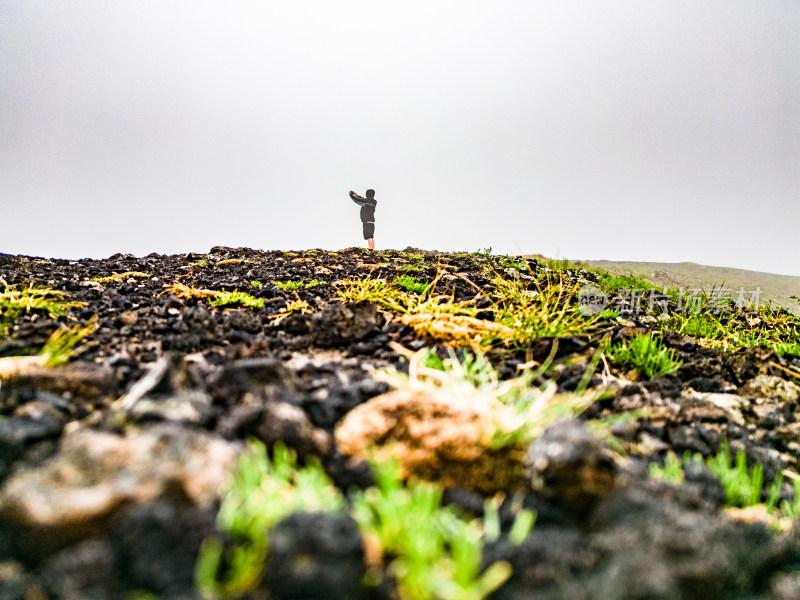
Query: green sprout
[[743, 486], [294, 285], [672, 471], [791, 509], [261, 493], [412, 284], [647, 354], [434, 553], [288, 285]]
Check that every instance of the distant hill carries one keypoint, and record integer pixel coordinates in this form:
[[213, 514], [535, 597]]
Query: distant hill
[[775, 288]]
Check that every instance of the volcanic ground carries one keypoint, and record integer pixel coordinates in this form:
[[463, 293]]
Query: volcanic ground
[[112, 465]]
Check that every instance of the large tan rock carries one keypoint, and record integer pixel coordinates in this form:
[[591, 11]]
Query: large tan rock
[[438, 435], [96, 474]]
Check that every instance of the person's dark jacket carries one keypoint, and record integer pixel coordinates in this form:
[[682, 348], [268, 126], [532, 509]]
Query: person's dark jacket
[[367, 206]]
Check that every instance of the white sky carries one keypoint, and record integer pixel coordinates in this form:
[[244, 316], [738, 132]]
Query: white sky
[[659, 130]]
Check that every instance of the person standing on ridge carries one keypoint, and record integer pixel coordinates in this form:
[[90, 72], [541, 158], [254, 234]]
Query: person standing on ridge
[[367, 215]]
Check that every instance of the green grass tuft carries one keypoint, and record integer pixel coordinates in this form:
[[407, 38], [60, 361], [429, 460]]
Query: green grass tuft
[[613, 283], [647, 354], [229, 299], [261, 493], [435, 552], [412, 284]]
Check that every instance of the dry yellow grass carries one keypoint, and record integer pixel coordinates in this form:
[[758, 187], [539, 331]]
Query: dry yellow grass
[[187, 292]]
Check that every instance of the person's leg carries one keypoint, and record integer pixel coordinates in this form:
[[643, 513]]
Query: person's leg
[[369, 234]]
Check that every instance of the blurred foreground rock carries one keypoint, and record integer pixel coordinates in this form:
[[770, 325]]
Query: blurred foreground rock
[[96, 474], [438, 435]]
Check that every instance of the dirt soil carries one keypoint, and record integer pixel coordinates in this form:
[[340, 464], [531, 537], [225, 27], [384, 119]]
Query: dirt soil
[[111, 465]]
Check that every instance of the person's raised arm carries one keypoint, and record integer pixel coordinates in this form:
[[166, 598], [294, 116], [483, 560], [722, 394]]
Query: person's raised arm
[[356, 198]]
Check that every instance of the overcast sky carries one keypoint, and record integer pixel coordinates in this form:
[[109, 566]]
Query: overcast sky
[[658, 130]]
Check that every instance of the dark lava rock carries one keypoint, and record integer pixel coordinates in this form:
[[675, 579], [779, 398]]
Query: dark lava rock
[[550, 556], [274, 421], [172, 390], [751, 362], [693, 439], [569, 463], [157, 545], [698, 475], [85, 571], [668, 386], [638, 543], [343, 323], [254, 375], [32, 422], [315, 555], [244, 320], [707, 384], [17, 584], [80, 382], [540, 348]]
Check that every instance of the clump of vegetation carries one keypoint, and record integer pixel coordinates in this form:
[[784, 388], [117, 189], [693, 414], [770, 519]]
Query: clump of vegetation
[[120, 277], [63, 343], [59, 349], [216, 298], [55, 303], [432, 552], [294, 285], [533, 408], [362, 290], [790, 509], [546, 310], [292, 306], [256, 284], [520, 314], [261, 493], [15, 302], [435, 552], [412, 284], [393, 298], [744, 328], [610, 282], [784, 348], [436, 316], [743, 487], [647, 354], [409, 268], [672, 471], [186, 292], [511, 262], [418, 258], [236, 298]]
